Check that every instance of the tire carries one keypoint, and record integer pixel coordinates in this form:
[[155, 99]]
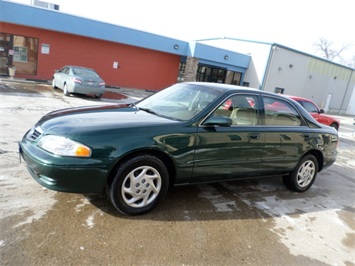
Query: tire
[[53, 84], [303, 176], [139, 185], [65, 90], [98, 96]]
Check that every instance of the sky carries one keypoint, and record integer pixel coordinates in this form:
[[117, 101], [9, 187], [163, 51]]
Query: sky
[[297, 24]]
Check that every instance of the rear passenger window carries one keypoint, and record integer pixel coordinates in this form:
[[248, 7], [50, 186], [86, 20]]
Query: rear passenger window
[[280, 113], [242, 109]]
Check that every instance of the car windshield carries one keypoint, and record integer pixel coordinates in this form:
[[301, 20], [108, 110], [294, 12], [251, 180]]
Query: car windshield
[[310, 107], [180, 102], [84, 72]]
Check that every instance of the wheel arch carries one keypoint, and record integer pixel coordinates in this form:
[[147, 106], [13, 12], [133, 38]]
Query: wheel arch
[[319, 157], [166, 159], [335, 125]]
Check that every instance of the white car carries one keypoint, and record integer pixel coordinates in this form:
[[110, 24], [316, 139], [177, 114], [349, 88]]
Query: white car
[[77, 79]]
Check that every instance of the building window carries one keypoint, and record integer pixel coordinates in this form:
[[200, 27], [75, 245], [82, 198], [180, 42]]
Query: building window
[[246, 84], [4, 53], [210, 74], [279, 90], [233, 78], [20, 51], [181, 74]]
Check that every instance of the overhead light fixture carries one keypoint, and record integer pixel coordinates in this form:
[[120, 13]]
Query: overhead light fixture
[[176, 46], [226, 57]]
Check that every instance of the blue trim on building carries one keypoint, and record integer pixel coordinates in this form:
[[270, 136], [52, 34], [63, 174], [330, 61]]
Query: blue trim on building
[[53, 20], [221, 56], [30, 16]]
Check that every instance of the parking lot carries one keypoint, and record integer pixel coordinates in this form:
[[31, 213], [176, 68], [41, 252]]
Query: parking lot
[[256, 222]]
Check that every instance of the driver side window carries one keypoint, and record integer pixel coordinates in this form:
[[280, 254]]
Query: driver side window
[[241, 108]]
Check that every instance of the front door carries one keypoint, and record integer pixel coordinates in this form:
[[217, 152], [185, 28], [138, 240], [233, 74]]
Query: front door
[[229, 152]]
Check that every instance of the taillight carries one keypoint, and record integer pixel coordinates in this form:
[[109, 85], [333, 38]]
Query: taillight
[[76, 80]]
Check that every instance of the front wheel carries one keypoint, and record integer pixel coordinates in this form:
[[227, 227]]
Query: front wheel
[[303, 176], [139, 185], [53, 84]]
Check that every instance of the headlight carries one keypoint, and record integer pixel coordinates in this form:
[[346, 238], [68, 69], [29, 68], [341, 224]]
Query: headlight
[[63, 146]]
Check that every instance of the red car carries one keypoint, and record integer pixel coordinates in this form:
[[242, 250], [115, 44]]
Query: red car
[[316, 112]]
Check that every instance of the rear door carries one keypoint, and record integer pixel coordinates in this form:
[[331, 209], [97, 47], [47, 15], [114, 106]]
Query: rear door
[[285, 137]]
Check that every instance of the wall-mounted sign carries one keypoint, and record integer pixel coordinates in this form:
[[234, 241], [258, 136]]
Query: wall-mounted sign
[[20, 54], [45, 48]]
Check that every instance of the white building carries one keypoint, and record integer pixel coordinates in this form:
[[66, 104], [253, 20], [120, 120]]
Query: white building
[[277, 68]]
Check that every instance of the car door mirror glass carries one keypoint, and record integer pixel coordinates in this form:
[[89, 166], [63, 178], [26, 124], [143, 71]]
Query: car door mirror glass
[[221, 121]]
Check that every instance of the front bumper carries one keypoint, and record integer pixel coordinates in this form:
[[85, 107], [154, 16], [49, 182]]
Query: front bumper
[[67, 174]]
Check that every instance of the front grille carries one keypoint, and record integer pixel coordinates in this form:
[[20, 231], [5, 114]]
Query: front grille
[[34, 133]]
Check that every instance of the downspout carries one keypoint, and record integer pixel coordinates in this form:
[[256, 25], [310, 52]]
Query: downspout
[[346, 92], [268, 66]]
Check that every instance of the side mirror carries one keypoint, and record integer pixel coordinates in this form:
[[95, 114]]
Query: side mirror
[[321, 111], [222, 121]]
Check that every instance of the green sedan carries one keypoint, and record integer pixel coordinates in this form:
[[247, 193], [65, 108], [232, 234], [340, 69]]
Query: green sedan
[[188, 133]]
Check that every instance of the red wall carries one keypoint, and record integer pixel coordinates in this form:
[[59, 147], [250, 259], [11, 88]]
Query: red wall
[[138, 67]]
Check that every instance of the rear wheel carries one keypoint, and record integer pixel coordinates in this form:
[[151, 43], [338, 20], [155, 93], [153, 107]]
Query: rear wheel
[[65, 90], [139, 185], [303, 176], [98, 96]]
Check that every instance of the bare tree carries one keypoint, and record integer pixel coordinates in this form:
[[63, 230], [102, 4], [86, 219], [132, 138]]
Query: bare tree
[[351, 63], [327, 50]]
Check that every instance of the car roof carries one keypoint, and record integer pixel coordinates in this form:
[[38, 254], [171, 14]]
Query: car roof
[[235, 88], [224, 87], [298, 98], [72, 66]]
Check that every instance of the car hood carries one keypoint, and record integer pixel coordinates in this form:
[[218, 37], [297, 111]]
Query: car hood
[[330, 117], [98, 118]]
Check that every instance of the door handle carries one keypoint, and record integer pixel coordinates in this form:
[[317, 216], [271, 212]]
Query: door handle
[[254, 136], [306, 136]]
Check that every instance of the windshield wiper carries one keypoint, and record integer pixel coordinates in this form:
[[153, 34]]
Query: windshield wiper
[[149, 111], [133, 105]]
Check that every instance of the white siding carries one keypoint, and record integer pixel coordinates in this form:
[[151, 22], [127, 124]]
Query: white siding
[[306, 76]]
